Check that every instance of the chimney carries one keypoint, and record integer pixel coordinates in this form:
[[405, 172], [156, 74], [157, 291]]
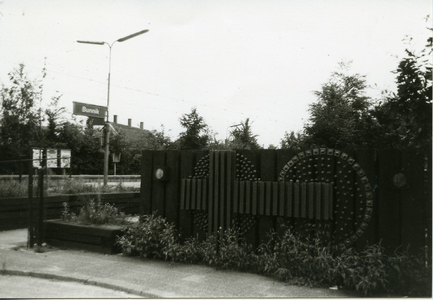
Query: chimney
[[141, 125], [115, 119], [129, 122]]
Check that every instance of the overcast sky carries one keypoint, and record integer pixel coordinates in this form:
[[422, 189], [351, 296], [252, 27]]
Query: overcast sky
[[231, 60]]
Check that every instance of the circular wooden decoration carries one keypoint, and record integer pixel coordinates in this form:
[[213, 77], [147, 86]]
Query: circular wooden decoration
[[159, 173], [352, 197], [399, 180]]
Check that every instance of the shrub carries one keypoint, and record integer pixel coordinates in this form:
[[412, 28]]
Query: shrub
[[371, 272], [230, 251], [94, 211], [151, 237]]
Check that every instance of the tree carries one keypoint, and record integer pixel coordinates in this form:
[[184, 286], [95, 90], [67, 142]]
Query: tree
[[293, 141], [19, 118], [341, 117], [84, 142], [159, 140], [53, 114], [243, 137], [196, 135], [406, 116]]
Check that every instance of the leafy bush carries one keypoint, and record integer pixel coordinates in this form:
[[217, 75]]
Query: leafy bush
[[151, 237], [230, 251], [371, 272], [291, 259], [95, 212]]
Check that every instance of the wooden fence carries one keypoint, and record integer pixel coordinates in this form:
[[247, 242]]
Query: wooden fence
[[14, 211], [358, 197]]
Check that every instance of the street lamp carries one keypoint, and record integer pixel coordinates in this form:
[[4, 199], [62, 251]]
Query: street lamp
[[227, 136], [107, 122]]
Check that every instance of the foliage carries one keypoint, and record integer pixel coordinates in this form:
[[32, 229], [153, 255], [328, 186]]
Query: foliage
[[159, 140], [19, 117], [371, 272], [14, 188], [341, 118], [54, 113], [151, 237], [405, 117], [73, 186], [243, 137], [196, 135], [95, 212], [293, 141]]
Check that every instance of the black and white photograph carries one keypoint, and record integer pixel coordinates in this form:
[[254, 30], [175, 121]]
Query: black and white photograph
[[216, 149]]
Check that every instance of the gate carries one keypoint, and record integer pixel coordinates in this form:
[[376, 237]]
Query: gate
[[348, 198]]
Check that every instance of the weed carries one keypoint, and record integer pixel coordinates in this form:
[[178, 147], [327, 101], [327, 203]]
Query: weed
[[95, 212]]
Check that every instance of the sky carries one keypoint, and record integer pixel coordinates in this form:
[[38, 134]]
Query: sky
[[230, 59]]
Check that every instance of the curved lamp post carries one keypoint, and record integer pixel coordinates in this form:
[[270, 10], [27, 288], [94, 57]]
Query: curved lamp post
[[107, 125], [227, 136]]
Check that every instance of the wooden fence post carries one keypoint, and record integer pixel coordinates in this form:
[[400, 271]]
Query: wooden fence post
[[30, 205]]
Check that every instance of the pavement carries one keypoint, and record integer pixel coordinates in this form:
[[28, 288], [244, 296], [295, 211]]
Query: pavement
[[65, 272]]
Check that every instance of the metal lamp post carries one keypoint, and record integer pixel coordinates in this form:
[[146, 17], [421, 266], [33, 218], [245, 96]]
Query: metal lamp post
[[227, 136], [107, 122]]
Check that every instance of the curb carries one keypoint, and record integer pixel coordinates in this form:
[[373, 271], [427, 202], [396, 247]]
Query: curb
[[78, 280]]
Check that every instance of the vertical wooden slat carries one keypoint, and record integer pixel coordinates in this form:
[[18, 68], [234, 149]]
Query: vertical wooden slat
[[205, 195], [261, 198], [389, 199], [146, 182], [183, 194], [172, 187], [296, 199], [231, 162], [211, 192], [289, 199], [303, 199], [311, 200], [318, 194], [199, 193], [242, 197], [268, 199], [281, 191], [412, 204], [268, 173], [236, 197], [283, 157], [248, 197], [188, 194], [325, 198], [216, 192], [186, 169], [158, 190], [222, 200], [254, 198], [274, 198], [193, 193]]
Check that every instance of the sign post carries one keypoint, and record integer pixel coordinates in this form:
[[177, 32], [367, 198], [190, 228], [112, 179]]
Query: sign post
[[98, 113]]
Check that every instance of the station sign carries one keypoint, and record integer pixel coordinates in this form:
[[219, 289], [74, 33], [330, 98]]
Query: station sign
[[65, 158], [55, 158], [89, 110], [37, 157]]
